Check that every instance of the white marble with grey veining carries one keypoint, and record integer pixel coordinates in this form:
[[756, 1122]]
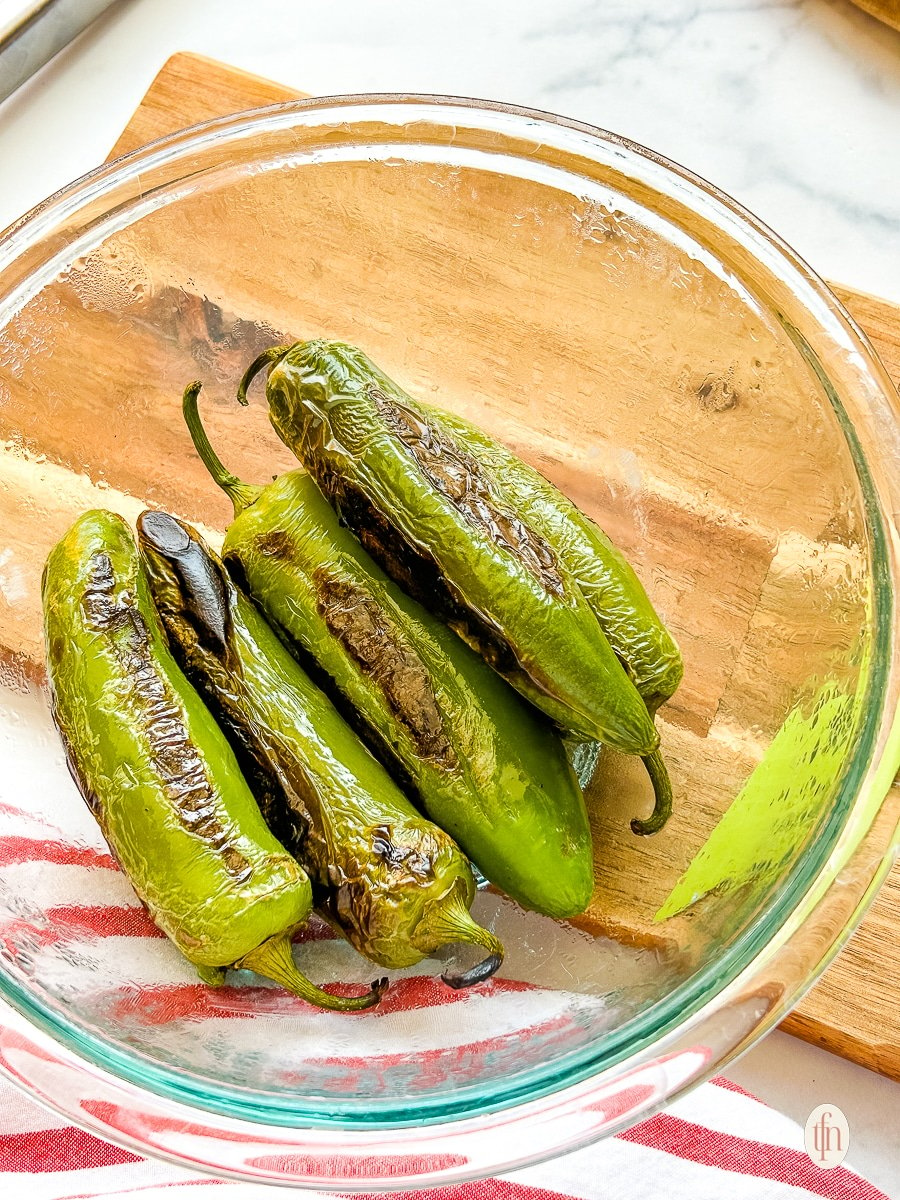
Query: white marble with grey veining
[[791, 106]]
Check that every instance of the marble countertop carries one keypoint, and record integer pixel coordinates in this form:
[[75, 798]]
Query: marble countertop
[[791, 106]]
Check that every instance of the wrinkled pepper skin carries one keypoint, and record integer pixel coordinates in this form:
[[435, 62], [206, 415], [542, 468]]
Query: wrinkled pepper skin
[[158, 774], [482, 763], [607, 580], [421, 506], [394, 884]]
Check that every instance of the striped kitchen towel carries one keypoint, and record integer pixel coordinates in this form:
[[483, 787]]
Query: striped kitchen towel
[[69, 917], [719, 1142]]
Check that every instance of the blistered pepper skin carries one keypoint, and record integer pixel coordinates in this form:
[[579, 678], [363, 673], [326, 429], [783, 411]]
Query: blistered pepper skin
[[392, 882], [481, 762], [421, 506], [606, 578], [156, 770]]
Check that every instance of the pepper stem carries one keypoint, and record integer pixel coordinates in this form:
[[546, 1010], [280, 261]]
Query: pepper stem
[[274, 960], [448, 920], [272, 355], [662, 790], [241, 495]]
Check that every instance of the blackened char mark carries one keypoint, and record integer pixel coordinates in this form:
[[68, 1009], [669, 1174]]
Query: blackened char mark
[[283, 789], [180, 769], [410, 860], [219, 685], [191, 591], [384, 655], [459, 477], [378, 744], [372, 639], [418, 574], [277, 544], [101, 609]]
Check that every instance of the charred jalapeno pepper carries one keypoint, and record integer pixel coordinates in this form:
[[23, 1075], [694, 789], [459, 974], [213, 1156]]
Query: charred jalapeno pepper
[[421, 505], [608, 581], [396, 885], [482, 763], [158, 774], [606, 578]]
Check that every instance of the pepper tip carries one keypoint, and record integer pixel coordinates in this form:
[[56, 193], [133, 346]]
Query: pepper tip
[[662, 791], [267, 358], [478, 974]]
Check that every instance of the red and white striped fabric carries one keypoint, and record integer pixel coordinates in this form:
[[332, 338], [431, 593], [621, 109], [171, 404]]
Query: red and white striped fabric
[[718, 1142]]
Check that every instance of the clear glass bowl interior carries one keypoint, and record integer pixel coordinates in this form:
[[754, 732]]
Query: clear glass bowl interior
[[644, 345]]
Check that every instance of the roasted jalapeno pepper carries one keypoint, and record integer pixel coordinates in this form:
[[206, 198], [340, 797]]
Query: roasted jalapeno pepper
[[158, 774], [396, 885], [421, 505], [481, 762], [608, 581]]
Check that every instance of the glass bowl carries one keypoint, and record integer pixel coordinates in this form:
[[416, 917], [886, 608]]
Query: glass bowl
[[684, 378]]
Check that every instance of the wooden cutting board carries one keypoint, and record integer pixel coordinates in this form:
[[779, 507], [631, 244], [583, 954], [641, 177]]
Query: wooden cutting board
[[855, 1008]]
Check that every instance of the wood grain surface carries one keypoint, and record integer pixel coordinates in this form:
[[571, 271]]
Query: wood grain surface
[[190, 89], [855, 1009], [885, 10]]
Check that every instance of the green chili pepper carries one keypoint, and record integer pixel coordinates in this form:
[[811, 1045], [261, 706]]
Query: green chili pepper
[[423, 508], [158, 774], [484, 765], [396, 885], [608, 581]]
